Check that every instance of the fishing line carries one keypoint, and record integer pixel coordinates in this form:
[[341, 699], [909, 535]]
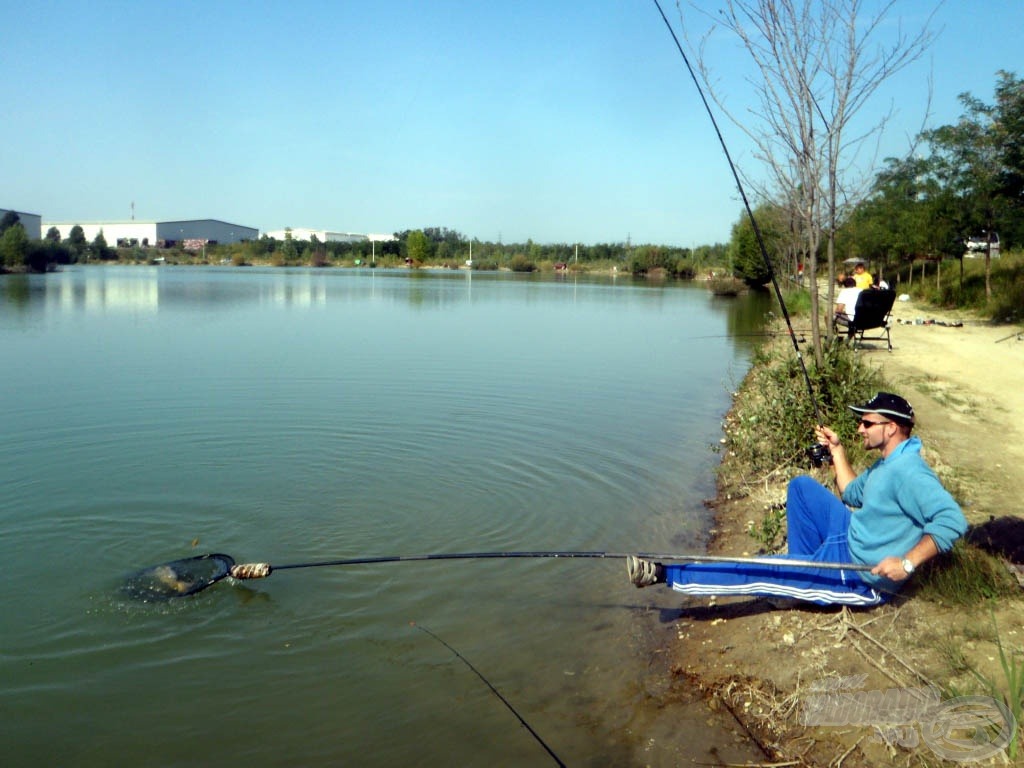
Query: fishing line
[[495, 691], [750, 212]]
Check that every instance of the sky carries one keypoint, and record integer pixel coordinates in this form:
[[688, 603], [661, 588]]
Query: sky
[[560, 121]]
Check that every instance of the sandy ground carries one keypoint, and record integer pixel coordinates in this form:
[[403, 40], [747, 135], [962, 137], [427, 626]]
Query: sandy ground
[[759, 664], [967, 386]]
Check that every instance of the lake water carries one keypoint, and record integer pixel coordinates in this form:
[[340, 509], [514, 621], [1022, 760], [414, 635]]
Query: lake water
[[291, 416]]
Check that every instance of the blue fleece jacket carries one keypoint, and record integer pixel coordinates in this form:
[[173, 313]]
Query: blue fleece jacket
[[896, 501]]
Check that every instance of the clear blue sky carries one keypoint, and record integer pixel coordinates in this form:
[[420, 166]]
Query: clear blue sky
[[557, 120]]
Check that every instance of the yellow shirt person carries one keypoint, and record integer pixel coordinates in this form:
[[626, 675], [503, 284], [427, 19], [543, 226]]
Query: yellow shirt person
[[862, 277]]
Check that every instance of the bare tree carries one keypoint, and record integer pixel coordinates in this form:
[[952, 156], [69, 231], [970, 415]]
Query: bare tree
[[816, 65]]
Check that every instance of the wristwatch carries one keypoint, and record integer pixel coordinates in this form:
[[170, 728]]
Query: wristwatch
[[907, 566]]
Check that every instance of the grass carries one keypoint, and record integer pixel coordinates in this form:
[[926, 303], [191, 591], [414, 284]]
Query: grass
[[1007, 281], [1009, 690], [966, 576]]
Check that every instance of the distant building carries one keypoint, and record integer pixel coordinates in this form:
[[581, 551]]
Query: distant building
[[302, 233], [32, 222], [162, 234], [325, 236]]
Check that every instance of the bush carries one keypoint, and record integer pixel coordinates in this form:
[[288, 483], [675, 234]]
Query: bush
[[770, 430], [684, 269], [520, 263], [798, 302]]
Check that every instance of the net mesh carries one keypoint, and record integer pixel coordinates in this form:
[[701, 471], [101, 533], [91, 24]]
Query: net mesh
[[178, 578]]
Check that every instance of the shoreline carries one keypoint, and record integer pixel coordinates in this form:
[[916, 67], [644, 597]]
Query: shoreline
[[762, 665]]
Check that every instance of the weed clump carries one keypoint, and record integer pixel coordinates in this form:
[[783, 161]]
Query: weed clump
[[773, 420]]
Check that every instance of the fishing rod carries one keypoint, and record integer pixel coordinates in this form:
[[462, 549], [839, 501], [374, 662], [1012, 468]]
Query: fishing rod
[[181, 578], [750, 214], [496, 692]]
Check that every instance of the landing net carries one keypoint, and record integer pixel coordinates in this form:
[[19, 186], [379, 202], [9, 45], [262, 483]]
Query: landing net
[[177, 578]]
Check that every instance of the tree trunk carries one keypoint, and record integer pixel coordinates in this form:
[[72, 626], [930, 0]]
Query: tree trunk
[[988, 271]]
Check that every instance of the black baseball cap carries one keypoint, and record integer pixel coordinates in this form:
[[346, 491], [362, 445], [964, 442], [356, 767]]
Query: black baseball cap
[[888, 404]]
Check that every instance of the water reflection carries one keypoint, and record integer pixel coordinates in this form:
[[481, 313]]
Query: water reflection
[[745, 316], [16, 290], [148, 290]]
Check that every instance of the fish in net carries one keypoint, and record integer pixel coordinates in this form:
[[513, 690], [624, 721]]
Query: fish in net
[[177, 578]]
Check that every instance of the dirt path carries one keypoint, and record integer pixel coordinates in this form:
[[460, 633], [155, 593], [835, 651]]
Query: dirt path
[[967, 386]]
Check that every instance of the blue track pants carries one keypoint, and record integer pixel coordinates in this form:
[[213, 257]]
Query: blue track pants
[[817, 523]]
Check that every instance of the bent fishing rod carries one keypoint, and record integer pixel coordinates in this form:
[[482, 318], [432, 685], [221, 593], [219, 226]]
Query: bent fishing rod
[[750, 213], [181, 578]]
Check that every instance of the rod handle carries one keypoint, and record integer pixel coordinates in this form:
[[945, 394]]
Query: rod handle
[[250, 571]]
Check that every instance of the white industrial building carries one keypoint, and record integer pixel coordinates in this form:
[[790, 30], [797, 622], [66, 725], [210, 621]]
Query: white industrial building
[[158, 233], [32, 222], [325, 236]]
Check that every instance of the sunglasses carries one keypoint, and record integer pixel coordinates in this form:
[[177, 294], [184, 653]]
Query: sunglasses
[[869, 424]]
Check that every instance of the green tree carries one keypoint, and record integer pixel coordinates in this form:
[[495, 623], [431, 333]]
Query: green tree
[[1008, 126], [99, 247], [418, 247], [905, 215], [14, 246], [77, 241], [288, 251], [53, 252], [52, 235], [978, 163], [744, 252], [10, 218]]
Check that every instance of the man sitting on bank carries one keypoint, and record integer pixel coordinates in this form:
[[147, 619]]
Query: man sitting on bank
[[902, 518]]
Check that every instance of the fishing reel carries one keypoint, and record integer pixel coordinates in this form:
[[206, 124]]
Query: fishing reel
[[819, 454]]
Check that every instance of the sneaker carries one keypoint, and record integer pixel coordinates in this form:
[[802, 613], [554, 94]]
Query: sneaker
[[644, 573]]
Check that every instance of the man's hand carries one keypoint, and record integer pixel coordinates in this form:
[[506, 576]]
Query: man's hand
[[840, 464], [827, 437], [891, 568]]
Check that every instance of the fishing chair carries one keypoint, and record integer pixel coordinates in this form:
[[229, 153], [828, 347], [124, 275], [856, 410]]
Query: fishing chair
[[872, 314]]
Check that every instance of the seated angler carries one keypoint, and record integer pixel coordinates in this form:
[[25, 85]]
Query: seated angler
[[846, 301], [901, 517]]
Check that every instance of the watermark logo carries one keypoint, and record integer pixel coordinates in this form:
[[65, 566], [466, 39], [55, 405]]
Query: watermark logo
[[962, 729]]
